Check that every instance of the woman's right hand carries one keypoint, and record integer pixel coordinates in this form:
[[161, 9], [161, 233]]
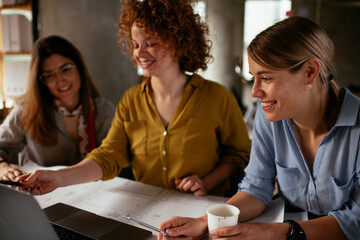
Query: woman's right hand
[[9, 173], [184, 228], [40, 181]]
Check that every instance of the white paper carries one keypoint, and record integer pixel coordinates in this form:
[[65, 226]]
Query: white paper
[[152, 205]]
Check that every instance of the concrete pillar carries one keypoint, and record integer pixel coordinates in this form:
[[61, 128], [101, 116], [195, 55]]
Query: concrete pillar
[[225, 20]]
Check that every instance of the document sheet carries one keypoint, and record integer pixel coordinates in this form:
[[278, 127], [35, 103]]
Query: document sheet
[[150, 204]]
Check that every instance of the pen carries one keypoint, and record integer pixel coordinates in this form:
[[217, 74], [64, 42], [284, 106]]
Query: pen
[[145, 225], [10, 183]]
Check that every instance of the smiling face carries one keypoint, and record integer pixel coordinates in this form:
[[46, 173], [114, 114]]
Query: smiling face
[[66, 85], [281, 92], [149, 53]]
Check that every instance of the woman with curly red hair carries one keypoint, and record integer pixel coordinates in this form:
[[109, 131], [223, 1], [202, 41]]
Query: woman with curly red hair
[[176, 129]]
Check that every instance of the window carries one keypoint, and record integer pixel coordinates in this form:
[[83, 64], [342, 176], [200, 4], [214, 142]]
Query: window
[[258, 16], [16, 42]]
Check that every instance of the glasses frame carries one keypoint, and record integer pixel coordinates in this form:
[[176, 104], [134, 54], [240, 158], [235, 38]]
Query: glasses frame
[[66, 66]]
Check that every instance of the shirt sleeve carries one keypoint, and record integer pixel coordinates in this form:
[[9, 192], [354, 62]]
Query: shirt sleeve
[[349, 215], [12, 137], [112, 154], [234, 139], [105, 114], [260, 174]]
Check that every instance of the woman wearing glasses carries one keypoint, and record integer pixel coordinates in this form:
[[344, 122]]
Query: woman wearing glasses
[[60, 118]]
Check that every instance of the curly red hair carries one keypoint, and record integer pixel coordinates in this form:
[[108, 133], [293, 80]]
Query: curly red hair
[[175, 23]]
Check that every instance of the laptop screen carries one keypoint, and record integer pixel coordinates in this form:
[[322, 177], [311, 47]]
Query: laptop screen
[[22, 218]]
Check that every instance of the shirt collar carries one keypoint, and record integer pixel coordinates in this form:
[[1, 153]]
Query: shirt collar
[[348, 114], [349, 110], [195, 81], [144, 85]]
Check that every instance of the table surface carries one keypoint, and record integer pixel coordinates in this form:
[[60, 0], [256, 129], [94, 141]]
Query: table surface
[[150, 204]]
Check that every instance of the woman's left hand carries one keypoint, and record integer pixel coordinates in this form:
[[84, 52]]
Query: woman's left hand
[[193, 184], [253, 231]]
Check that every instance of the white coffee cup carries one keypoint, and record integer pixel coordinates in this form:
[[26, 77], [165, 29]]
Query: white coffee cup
[[222, 215]]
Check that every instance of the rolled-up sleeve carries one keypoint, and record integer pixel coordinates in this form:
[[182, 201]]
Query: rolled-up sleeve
[[349, 215], [112, 155], [12, 137], [260, 173], [234, 139]]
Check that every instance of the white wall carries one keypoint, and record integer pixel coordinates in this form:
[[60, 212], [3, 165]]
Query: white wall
[[91, 25]]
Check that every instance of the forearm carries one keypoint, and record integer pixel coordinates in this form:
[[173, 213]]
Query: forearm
[[218, 175], [85, 171], [323, 228], [250, 207]]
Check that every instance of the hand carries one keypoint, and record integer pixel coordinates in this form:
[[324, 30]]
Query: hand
[[192, 183], [184, 228], [253, 231], [9, 173], [40, 181]]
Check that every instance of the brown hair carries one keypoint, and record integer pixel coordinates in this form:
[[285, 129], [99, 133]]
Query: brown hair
[[175, 23], [37, 116], [288, 44]]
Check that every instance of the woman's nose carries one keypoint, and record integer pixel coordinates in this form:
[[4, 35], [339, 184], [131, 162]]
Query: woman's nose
[[257, 91], [140, 51]]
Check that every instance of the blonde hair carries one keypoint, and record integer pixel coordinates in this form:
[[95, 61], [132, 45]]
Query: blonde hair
[[288, 44]]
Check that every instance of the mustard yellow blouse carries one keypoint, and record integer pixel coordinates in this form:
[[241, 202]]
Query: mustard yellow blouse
[[206, 129]]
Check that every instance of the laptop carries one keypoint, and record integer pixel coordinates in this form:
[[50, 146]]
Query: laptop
[[22, 218]]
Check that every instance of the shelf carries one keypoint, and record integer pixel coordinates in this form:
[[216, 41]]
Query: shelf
[[22, 7], [21, 56], [12, 61], [24, 10], [16, 53]]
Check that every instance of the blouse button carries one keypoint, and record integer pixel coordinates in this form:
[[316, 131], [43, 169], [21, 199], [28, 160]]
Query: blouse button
[[164, 168], [165, 133], [163, 152]]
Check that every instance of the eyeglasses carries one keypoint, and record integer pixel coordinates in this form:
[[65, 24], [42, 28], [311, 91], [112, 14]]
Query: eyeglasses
[[65, 71]]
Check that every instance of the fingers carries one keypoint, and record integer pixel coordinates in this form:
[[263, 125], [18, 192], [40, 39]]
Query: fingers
[[200, 192], [162, 237], [184, 228], [174, 226], [12, 174], [22, 178], [186, 180], [28, 178], [172, 222], [192, 183]]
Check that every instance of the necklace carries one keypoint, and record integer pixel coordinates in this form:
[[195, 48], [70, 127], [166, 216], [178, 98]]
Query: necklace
[[67, 113]]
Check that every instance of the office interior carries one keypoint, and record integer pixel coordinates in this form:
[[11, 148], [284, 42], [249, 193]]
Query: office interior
[[92, 26]]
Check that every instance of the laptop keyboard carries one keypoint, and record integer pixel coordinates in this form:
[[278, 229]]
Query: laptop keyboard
[[66, 234]]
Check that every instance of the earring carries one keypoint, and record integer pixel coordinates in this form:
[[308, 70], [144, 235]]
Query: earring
[[310, 86]]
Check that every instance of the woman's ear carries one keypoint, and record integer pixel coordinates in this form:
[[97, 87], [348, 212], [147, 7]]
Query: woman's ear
[[312, 70]]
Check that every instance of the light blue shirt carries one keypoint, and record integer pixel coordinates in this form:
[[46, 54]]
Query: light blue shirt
[[332, 187]]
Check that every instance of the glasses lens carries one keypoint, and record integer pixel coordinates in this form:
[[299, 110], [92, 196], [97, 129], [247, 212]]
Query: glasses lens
[[47, 78], [64, 71]]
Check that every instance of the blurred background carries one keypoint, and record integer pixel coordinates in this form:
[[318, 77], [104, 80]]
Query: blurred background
[[92, 26]]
